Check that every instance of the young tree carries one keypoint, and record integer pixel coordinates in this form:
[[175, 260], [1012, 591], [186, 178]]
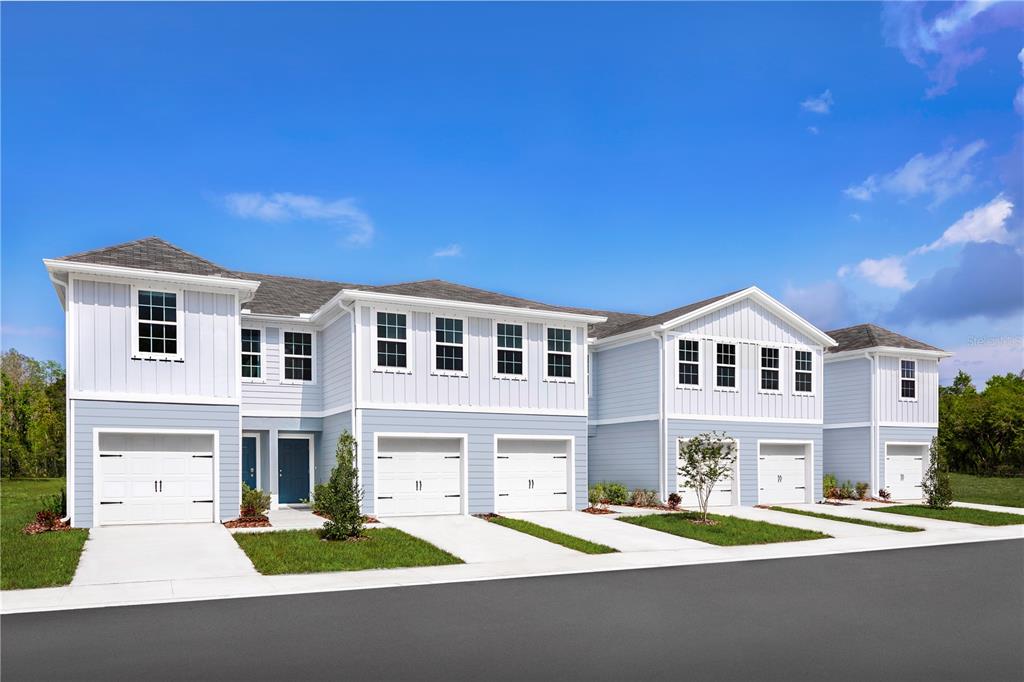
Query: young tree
[[339, 498], [938, 490], [704, 460]]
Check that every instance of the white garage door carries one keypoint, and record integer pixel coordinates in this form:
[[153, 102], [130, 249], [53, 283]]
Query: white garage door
[[155, 478], [721, 496], [904, 469], [418, 476], [782, 473], [531, 475]]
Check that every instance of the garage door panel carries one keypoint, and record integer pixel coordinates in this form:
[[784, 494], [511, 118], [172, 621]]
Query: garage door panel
[[418, 476], [531, 475], [782, 473], [904, 471]]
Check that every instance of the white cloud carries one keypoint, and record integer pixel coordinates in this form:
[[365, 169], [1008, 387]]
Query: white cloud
[[1018, 101], [813, 130], [283, 206], [984, 358], [822, 104], [450, 251], [826, 304], [888, 273], [855, 217], [940, 175], [983, 224]]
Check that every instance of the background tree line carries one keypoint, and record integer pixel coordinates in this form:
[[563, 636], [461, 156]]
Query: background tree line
[[982, 432], [32, 421]]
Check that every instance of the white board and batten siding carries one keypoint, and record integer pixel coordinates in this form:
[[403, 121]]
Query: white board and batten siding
[[101, 346], [479, 387], [924, 409]]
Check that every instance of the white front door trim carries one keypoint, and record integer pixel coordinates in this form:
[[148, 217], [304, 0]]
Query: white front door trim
[[310, 447], [259, 458]]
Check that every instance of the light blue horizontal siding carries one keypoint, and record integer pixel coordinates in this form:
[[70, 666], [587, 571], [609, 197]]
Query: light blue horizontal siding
[[904, 434], [748, 434], [848, 391], [480, 428], [625, 453], [625, 380], [94, 414], [848, 454]]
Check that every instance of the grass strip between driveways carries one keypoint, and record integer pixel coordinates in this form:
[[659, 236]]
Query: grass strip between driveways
[[44, 560], [981, 517], [302, 551], [551, 535], [730, 530], [1005, 492], [848, 519]]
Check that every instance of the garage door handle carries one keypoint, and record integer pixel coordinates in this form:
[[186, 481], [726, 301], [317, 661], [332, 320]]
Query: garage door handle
[[111, 502], [453, 495], [202, 456], [202, 501], [559, 456], [452, 456], [111, 455], [561, 493], [154, 486], [161, 486], [798, 487]]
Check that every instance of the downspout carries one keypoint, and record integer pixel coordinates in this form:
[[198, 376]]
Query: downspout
[[875, 484], [662, 421], [69, 431]]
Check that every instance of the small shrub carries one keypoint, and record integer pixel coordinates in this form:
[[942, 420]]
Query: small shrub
[[342, 495], [884, 494], [641, 497], [254, 502], [615, 493], [829, 483], [46, 518], [846, 491], [862, 490], [55, 505], [937, 488], [674, 500], [596, 496]]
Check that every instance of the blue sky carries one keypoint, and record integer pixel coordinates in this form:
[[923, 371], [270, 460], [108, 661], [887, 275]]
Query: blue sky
[[860, 162]]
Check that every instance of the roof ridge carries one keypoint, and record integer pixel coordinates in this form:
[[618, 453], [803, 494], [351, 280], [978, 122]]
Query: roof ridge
[[100, 249]]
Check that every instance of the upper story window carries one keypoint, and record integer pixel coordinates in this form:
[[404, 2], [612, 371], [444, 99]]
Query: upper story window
[[559, 353], [725, 365], [689, 362], [509, 349], [252, 354], [298, 356], [157, 331], [769, 369], [448, 344], [908, 379], [391, 343], [803, 371]]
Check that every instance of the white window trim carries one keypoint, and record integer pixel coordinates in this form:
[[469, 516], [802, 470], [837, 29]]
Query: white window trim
[[572, 353], [407, 340], [494, 353], [700, 361], [313, 349], [434, 344], [179, 299], [262, 379], [899, 376], [761, 368], [736, 366], [813, 372]]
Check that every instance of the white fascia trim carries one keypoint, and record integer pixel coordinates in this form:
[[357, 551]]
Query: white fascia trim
[[888, 351], [483, 308], [415, 407], [245, 285], [625, 420], [277, 412], [848, 425], [913, 425], [170, 399], [754, 420]]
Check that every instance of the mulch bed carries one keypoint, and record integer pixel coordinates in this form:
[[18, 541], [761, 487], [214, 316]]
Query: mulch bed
[[599, 510], [366, 519], [35, 528], [248, 522], [488, 516]]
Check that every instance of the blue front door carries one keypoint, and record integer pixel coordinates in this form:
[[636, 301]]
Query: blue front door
[[293, 469], [249, 461]]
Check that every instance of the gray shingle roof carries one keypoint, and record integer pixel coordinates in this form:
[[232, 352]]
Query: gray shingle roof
[[627, 322], [152, 253], [863, 336], [279, 295]]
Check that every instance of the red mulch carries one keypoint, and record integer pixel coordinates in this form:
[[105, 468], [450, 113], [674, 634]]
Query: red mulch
[[487, 516], [35, 528], [599, 510], [248, 522]]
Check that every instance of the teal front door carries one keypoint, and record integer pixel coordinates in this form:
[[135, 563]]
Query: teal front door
[[293, 469], [249, 461]]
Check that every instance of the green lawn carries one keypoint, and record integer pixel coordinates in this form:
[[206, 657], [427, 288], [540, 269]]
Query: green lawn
[[847, 519], [44, 560], [730, 530], [981, 517], [1007, 492], [544, 533], [302, 551]]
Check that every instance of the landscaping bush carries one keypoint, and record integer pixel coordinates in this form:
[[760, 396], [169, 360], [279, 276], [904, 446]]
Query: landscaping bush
[[615, 493], [704, 460], [829, 483], [862, 490], [674, 500], [341, 495], [254, 502], [937, 487], [55, 505], [596, 496], [846, 491], [884, 494], [641, 497]]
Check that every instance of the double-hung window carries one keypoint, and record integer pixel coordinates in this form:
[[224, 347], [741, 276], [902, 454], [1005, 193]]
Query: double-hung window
[[559, 353], [157, 329], [391, 340], [908, 379], [448, 344], [725, 365], [298, 356], [689, 362], [510, 349], [803, 371], [252, 355], [769, 369]]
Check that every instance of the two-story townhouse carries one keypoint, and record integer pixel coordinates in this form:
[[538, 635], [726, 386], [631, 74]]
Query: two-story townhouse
[[740, 363], [187, 379], [881, 408]]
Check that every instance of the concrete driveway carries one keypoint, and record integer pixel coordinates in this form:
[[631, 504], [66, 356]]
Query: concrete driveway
[[606, 530], [133, 554]]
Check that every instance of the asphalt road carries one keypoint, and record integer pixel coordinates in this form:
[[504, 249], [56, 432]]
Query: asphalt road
[[940, 613]]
